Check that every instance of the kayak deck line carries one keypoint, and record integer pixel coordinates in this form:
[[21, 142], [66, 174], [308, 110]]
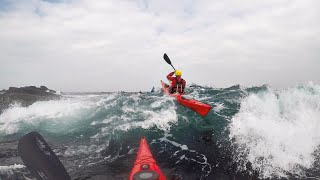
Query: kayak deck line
[[197, 106]]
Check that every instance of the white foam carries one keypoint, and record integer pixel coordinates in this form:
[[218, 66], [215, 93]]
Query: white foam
[[141, 116], [10, 169], [58, 92], [127, 109], [182, 146], [278, 133], [84, 150], [218, 107], [162, 120], [53, 112], [160, 102], [94, 123]]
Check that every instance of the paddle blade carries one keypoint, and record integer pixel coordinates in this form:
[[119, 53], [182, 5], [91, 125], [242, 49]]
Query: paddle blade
[[39, 158], [166, 58]]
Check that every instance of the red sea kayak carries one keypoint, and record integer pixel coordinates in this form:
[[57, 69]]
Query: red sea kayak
[[197, 106], [145, 167]]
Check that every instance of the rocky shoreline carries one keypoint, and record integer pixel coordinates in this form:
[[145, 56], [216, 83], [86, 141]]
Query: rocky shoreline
[[25, 96]]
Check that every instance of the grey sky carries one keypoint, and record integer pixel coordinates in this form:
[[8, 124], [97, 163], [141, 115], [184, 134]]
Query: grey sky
[[94, 45]]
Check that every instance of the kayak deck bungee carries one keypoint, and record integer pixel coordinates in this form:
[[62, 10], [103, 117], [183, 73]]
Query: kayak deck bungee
[[145, 167], [197, 106]]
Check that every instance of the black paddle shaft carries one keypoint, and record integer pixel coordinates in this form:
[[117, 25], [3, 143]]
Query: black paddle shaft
[[167, 59], [39, 158]]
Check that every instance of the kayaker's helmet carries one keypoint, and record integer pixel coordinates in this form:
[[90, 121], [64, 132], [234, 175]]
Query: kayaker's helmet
[[146, 174], [178, 72]]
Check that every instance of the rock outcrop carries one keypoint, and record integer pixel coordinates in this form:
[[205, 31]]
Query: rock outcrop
[[25, 96]]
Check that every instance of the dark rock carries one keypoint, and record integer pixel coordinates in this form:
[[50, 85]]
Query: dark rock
[[52, 91], [195, 86], [44, 88], [235, 87], [42, 91], [25, 96]]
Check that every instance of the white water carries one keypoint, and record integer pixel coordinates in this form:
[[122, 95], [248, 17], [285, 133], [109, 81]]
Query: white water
[[105, 114], [278, 132], [67, 114], [58, 115], [218, 107], [10, 169], [157, 114]]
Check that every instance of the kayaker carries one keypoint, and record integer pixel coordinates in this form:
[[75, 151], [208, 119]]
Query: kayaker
[[177, 83]]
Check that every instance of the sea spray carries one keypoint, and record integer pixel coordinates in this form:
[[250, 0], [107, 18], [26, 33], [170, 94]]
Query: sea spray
[[278, 132]]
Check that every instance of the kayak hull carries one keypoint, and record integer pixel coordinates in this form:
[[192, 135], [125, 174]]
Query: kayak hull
[[197, 106], [145, 159]]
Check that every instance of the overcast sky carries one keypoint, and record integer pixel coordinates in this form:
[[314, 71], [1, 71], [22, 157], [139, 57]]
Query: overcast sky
[[96, 45]]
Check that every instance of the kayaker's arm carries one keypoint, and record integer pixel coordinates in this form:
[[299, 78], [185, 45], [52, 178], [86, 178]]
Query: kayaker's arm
[[184, 83], [169, 76]]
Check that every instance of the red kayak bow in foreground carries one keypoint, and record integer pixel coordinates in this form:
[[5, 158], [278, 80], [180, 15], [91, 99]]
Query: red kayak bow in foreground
[[145, 167], [197, 106]]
